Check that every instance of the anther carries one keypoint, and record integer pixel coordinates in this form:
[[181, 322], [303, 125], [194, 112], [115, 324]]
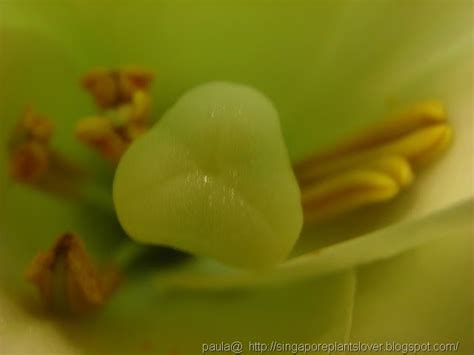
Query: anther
[[345, 192], [124, 97], [393, 148], [30, 154], [67, 279], [100, 134]]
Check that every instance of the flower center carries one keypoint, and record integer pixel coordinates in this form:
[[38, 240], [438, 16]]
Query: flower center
[[371, 167]]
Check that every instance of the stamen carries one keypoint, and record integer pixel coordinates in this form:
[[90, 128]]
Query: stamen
[[29, 147], [36, 126], [396, 167], [345, 192], [99, 133], [132, 79], [418, 116], [66, 278], [140, 107], [393, 148], [124, 93], [102, 84], [417, 148], [111, 88], [34, 162], [29, 162]]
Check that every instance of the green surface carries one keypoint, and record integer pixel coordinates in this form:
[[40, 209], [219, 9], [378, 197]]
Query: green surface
[[329, 67], [213, 178]]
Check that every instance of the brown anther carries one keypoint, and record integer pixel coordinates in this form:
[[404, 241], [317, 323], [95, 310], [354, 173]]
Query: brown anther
[[29, 147], [100, 134], [36, 126], [124, 93], [133, 79], [111, 88], [29, 162], [102, 84], [67, 279], [31, 126], [34, 162], [133, 131]]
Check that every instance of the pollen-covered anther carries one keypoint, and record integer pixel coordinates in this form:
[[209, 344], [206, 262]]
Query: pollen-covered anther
[[102, 84], [33, 160], [67, 279], [30, 154], [100, 134], [29, 162], [140, 107], [345, 192], [394, 166], [124, 96], [332, 181], [111, 88], [35, 126], [132, 79]]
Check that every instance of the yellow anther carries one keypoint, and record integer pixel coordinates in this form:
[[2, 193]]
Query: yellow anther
[[124, 94], [345, 192], [136, 112], [383, 138], [141, 107], [417, 147], [67, 279], [394, 148], [100, 134], [418, 116], [422, 145], [396, 167]]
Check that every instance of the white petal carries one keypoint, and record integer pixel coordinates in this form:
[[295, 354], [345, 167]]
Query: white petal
[[380, 245], [23, 332], [425, 295], [141, 319]]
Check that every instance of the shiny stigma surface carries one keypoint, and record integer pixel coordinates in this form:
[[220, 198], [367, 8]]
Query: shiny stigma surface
[[213, 177]]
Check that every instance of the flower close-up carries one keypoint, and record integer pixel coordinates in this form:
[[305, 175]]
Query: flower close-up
[[236, 176]]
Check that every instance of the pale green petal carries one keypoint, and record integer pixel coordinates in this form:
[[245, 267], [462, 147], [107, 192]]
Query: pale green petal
[[445, 74], [23, 332], [306, 56], [318, 61], [330, 67], [424, 295], [380, 245], [140, 318]]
